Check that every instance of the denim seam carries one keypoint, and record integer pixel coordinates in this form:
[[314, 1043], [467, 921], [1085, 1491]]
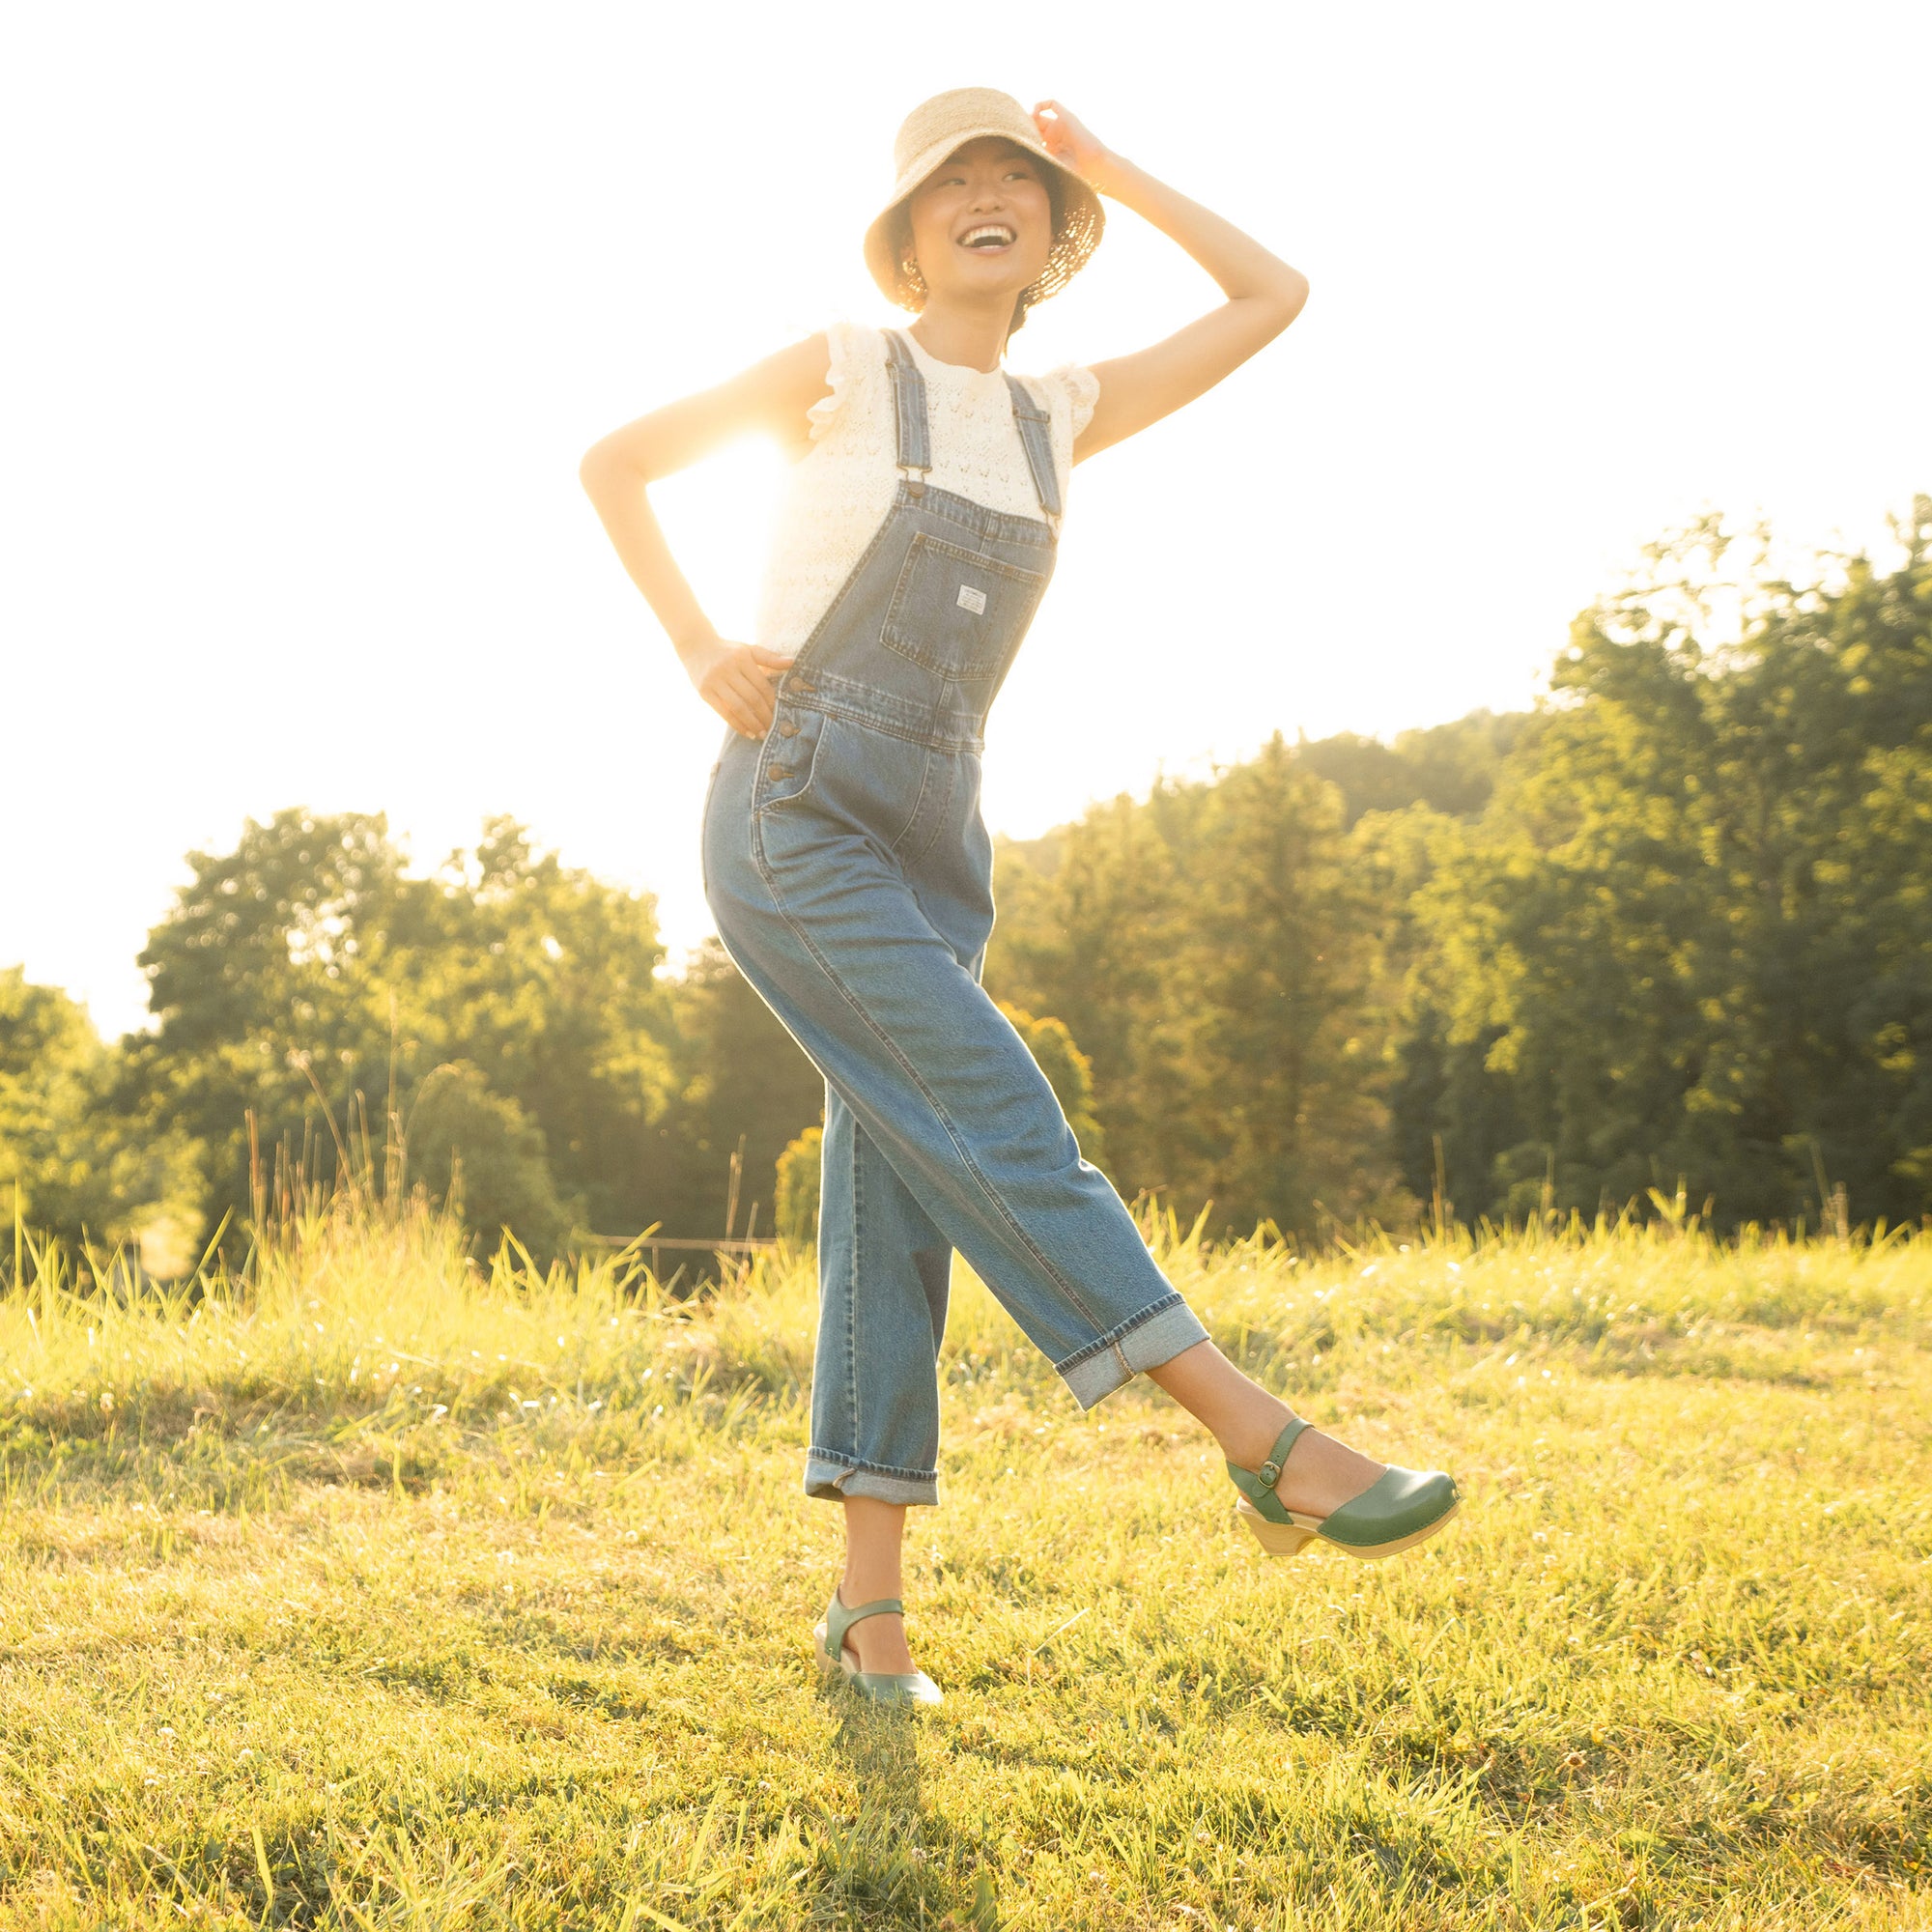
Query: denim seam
[[872, 722], [911, 859], [1110, 1343], [997, 526], [851, 577], [845, 1462], [852, 1287], [704, 819], [771, 744], [917, 805], [912, 887], [858, 1005], [997, 565], [1005, 530], [1032, 584]]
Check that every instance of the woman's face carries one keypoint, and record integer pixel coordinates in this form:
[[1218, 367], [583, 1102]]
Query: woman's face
[[981, 223]]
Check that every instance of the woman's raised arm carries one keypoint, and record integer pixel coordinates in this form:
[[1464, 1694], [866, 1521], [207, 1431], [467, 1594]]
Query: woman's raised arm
[[771, 396], [1265, 295]]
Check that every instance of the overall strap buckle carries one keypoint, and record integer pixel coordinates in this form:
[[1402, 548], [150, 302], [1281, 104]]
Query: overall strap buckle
[[1035, 428], [914, 451]]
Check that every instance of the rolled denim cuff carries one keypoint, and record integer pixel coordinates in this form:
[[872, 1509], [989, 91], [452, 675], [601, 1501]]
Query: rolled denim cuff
[[829, 1480], [1145, 1340]]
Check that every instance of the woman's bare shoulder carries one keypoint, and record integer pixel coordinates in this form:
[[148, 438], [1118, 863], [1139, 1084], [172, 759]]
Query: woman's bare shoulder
[[790, 379], [810, 383]]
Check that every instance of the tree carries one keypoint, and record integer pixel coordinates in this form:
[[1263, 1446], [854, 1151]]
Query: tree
[[798, 1188], [306, 977], [68, 1165], [1450, 768], [1692, 933], [1216, 955], [481, 1152], [1069, 1072], [745, 1091]]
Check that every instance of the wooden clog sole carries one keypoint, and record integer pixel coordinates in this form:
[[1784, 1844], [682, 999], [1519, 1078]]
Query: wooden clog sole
[[1285, 1538]]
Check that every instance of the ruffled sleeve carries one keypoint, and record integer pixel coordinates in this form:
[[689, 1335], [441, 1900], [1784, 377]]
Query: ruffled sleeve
[[1080, 386], [849, 347]]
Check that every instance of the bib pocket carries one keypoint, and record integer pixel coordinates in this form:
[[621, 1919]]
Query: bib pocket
[[957, 614]]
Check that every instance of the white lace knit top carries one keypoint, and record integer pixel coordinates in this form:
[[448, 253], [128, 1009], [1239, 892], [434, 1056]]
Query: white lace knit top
[[839, 491]]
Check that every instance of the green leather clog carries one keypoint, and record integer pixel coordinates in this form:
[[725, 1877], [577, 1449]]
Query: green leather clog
[[1397, 1511], [882, 1687]]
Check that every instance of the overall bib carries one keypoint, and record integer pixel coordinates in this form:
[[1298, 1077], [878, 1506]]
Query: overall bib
[[850, 876]]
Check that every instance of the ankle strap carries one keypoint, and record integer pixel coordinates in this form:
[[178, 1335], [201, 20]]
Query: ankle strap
[[839, 1619], [1270, 1471], [1258, 1484]]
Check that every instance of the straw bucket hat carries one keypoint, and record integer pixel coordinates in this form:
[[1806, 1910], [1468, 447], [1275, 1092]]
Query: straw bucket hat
[[939, 127]]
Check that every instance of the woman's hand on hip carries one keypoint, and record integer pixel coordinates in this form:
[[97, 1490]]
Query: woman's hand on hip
[[737, 681]]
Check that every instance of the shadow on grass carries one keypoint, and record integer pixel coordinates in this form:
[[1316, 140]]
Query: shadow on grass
[[894, 1857]]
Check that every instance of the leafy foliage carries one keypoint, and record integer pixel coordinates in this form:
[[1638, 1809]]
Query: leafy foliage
[[306, 980], [482, 1153], [798, 1187], [1213, 950], [1450, 768], [1672, 928], [68, 1164], [1676, 926], [1691, 935], [744, 1090], [1069, 1072]]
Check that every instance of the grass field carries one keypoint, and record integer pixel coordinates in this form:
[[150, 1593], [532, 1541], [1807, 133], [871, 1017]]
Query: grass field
[[396, 1592]]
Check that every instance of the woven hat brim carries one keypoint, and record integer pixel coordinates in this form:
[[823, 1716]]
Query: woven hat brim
[[1082, 219]]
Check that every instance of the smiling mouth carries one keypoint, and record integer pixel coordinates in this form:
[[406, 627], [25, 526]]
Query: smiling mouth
[[988, 238]]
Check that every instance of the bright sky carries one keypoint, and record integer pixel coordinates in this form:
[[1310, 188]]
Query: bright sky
[[311, 312]]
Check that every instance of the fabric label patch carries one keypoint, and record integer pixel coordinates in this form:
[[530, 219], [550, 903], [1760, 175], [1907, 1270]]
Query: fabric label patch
[[971, 600]]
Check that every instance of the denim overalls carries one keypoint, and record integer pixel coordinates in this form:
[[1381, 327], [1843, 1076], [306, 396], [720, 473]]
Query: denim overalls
[[851, 878]]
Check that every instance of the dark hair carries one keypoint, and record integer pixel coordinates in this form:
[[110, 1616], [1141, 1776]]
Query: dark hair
[[899, 237]]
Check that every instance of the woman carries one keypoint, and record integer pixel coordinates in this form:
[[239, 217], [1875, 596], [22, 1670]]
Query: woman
[[844, 856]]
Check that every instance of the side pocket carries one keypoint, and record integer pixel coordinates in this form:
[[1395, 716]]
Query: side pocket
[[787, 759]]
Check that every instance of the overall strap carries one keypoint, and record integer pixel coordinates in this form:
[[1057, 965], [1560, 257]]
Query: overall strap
[[915, 448], [1035, 429]]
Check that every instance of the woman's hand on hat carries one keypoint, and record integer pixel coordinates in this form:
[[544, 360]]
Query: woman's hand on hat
[[1071, 143], [737, 681]]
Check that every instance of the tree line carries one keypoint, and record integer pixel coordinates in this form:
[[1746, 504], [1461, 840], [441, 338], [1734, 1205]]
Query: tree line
[[1674, 925]]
